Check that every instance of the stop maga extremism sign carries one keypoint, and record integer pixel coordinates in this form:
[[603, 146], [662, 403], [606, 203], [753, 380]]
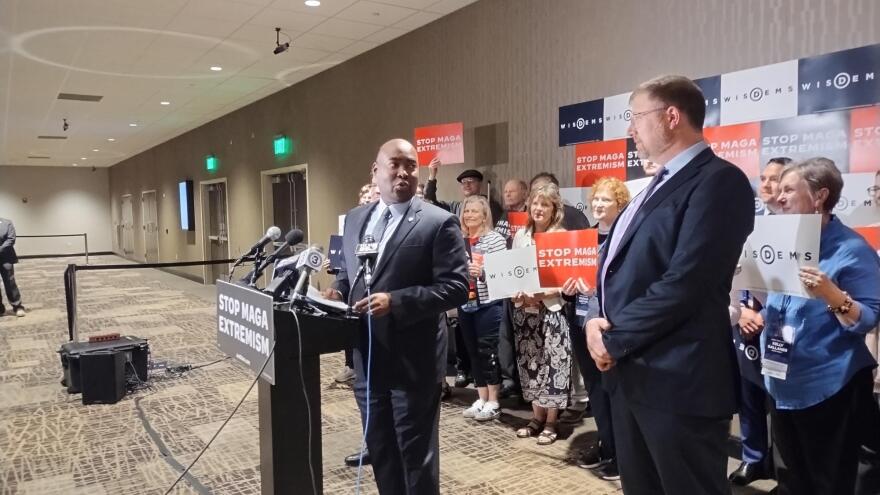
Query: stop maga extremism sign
[[444, 141], [246, 327]]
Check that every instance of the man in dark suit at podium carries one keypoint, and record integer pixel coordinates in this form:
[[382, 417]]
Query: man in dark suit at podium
[[664, 279], [420, 272]]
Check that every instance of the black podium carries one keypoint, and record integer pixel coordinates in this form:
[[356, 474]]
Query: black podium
[[290, 426]]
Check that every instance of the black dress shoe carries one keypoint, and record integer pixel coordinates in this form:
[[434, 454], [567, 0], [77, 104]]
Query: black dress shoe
[[746, 473], [462, 380], [353, 459]]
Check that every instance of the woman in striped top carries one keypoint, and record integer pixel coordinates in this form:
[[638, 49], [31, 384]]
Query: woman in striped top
[[480, 318]]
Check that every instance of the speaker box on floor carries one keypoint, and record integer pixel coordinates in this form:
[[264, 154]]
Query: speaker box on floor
[[102, 375]]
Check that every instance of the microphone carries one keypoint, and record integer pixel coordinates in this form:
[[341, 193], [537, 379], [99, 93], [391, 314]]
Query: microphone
[[272, 234], [309, 262], [293, 237], [367, 252]]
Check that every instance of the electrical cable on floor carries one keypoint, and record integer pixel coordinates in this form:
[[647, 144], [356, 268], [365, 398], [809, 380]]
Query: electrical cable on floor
[[240, 402]]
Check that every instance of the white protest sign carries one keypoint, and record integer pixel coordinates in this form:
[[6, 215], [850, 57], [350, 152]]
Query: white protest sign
[[857, 207], [636, 186], [511, 271], [578, 197], [773, 254]]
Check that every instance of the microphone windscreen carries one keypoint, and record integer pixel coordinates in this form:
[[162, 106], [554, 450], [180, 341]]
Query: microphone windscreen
[[294, 237]]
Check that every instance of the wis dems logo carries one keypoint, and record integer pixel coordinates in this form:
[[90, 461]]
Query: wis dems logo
[[581, 122], [517, 272], [768, 255], [839, 80]]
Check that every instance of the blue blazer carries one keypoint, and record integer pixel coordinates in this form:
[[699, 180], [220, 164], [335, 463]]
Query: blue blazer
[[424, 268], [667, 289]]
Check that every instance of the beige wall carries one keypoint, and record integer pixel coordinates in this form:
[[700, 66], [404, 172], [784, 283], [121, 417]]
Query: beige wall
[[59, 201], [510, 62]]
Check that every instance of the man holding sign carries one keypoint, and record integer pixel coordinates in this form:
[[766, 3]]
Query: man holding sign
[[664, 282]]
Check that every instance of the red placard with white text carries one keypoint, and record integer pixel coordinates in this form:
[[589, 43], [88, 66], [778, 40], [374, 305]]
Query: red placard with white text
[[599, 159], [872, 235], [517, 220], [445, 141], [738, 144], [864, 136], [569, 254]]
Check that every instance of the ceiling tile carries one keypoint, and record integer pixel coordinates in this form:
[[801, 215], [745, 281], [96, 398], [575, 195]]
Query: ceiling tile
[[448, 6], [225, 10], [359, 47], [321, 42], [327, 8], [287, 19], [418, 20], [412, 4], [386, 35], [204, 26], [375, 13], [346, 29]]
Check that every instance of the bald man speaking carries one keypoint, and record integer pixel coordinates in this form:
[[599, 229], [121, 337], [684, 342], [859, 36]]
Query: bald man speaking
[[420, 272]]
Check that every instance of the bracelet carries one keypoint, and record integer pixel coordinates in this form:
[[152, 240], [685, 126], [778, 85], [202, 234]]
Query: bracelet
[[843, 308]]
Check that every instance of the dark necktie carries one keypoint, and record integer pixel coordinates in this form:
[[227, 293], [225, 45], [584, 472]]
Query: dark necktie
[[382, 225]]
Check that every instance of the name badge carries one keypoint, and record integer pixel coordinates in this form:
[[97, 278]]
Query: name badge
[[777, 353]]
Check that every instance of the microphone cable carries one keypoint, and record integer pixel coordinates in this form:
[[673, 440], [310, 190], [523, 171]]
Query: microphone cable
[[367, 401]]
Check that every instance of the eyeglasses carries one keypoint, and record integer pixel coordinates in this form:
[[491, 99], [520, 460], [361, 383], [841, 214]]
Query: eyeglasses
[[637, 115], [468, 181], [873, 189]]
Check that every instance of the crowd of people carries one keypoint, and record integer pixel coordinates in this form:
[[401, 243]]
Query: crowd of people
[[661, 341]]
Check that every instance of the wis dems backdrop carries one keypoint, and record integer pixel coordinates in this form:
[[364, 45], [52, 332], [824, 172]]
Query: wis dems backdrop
[[817, 106]]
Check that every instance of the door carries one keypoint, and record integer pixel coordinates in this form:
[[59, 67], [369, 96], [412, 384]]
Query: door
[[216, 229], [127, 227], [150, 226], [289, 203]]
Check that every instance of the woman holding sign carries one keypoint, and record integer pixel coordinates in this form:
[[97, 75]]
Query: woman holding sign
[[608, 197], [816, 365], [540, 327], [480, 318]]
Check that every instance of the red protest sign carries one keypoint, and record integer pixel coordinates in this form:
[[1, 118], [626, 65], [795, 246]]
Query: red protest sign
[[872, 235], [517, 220], [444, 141], [599, 159], [564, 255]]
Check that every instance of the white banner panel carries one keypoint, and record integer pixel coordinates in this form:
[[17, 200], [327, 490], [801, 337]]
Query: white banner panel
[[773, 254], [617, 116], [763, 93]]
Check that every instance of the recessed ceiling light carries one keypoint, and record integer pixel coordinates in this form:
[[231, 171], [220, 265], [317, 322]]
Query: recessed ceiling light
[[111, 139], [313, 3], [95, 149], [132, 125], [73, 164], [164, 102], [216, 68], [83, 158]]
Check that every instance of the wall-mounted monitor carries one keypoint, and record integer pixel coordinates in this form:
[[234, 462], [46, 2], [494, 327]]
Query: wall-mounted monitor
[[187, 210]]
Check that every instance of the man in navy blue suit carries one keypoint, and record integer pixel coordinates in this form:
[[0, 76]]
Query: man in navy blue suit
[[664, 281], [420, 272]]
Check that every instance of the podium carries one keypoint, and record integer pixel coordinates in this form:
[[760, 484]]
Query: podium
[[290, 425]]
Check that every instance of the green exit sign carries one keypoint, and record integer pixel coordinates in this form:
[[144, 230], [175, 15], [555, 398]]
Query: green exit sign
[[282, 145], [210, 163]]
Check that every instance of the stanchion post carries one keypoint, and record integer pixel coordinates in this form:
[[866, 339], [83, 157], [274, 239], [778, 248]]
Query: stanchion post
[[86, 238]]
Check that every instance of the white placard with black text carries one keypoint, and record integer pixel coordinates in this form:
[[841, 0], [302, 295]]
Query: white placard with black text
[[775, 251], [511, 271]]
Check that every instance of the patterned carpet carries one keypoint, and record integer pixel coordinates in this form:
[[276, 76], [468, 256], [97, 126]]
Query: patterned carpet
[[50, 443]]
